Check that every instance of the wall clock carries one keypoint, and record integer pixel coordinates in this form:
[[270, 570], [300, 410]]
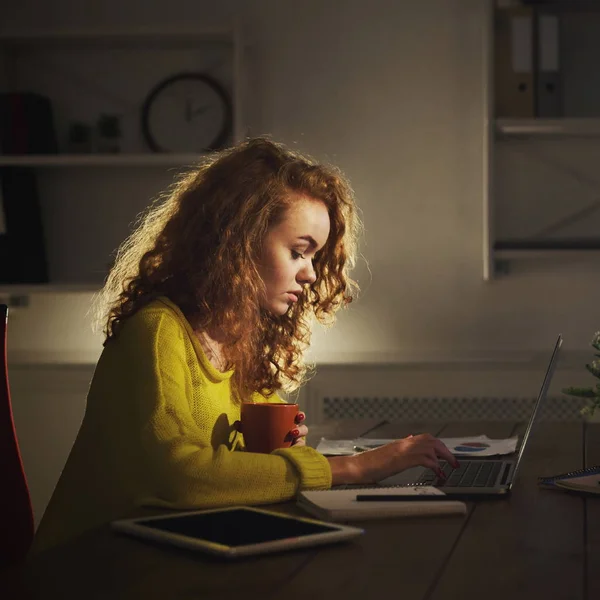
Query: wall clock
[[187, 112]]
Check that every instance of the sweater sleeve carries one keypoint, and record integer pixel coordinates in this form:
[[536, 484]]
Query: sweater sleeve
[[187, 471]]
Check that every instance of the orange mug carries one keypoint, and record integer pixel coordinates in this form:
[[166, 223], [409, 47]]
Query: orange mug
[[266, 426]]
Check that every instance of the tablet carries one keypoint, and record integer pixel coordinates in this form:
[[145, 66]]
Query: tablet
[[236, 531]]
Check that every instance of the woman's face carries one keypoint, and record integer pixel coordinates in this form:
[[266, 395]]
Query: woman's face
[[285, 263]]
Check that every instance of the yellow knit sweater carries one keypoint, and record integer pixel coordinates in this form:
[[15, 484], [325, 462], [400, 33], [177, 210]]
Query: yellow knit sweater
[[158, 431]]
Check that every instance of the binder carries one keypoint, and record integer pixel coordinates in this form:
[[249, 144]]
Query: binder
[[26, 124], [548, 79], [513, 62], [3, 229], [22, 247]]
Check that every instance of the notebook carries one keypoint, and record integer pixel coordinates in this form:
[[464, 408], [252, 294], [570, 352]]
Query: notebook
[[581, 480], [478, 478], [342, 504]]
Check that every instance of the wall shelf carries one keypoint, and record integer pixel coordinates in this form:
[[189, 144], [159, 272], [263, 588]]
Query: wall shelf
[[567, 6], [111, 37], [557, 250], [99, 160], [542, 254], [583, 127], [24, 289]]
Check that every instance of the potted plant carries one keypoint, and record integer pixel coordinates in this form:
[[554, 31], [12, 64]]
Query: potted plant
[[591, 394]]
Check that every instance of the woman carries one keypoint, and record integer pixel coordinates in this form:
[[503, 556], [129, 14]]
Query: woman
[[208, 304]]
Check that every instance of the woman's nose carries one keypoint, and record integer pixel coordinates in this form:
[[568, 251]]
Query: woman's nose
[[307, 274]]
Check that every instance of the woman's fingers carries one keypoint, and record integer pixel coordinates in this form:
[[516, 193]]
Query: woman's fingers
[[437, 447], [430, 461], [443, 452], [299, 435], [300, 431], [439, 450], [422, 450], [300, 417], [439, 473]]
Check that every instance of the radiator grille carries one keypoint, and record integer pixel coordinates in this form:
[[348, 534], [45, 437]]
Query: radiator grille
[[559, 408]]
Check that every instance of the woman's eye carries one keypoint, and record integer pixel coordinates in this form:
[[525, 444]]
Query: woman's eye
[[296, 255]]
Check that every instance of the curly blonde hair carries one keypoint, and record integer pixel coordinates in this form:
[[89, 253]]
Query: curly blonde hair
[[198, 245]]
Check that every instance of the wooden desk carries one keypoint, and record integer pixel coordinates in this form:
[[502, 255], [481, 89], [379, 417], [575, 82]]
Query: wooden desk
[[536, 544]]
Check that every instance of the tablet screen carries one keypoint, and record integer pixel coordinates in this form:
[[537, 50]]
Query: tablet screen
[[237, 527]]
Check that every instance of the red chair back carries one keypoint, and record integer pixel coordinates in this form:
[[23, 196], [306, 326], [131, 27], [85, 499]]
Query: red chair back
[[15, 502]]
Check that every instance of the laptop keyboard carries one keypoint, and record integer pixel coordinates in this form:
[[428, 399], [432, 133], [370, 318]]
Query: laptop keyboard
[[469, 474]]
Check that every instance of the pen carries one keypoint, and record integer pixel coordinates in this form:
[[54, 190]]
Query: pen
[[399, 497]]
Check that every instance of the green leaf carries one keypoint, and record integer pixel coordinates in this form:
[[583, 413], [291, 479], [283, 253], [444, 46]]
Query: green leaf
[[580, 392], [594, 369], [587, 411]]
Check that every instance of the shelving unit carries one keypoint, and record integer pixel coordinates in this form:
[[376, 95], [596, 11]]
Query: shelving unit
[[89, 200], [540, 152]]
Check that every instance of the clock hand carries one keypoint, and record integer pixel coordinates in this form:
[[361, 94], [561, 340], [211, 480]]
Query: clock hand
[[201, 110]]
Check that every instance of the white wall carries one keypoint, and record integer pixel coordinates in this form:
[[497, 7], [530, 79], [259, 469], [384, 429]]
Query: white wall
[[391, 92], [48, 405]]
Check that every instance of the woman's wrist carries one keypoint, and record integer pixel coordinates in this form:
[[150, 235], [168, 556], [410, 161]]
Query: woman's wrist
[[345, 470]]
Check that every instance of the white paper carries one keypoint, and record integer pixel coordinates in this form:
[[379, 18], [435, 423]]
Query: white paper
[[417, 490], [336, 447], [363, 444], [342, 504], [349, 447], [474, 446], [480, 445]]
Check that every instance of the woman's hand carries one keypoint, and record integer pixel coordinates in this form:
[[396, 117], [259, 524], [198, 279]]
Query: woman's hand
[[374, 465], [300, 432]]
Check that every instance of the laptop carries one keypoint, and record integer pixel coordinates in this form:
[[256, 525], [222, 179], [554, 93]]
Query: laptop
[[483, 477]]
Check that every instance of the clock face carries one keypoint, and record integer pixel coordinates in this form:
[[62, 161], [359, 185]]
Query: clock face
[[187, 113]]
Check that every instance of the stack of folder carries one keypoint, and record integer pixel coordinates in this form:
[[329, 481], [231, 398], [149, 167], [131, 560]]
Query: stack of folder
[[527, 63]]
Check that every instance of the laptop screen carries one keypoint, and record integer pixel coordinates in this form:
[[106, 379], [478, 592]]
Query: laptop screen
[[540, 398]]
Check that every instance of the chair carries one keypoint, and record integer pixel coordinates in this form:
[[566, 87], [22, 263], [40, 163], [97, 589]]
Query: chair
[[15, 502]]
